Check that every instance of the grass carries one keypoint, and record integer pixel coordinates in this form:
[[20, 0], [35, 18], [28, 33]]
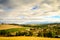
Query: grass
[[27, 38], [15, 29], [7, 26], [12, 28]]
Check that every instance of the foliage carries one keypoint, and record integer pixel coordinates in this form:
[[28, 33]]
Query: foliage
[[46, 30]]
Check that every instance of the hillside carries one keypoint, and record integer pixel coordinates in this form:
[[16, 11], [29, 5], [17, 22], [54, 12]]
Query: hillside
[[7, 26], [37, 30]]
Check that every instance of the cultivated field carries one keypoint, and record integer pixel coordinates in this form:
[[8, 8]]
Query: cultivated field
[[6, 26], [27, 38]]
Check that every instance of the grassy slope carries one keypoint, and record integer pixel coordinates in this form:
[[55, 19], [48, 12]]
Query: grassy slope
[[27, 38], [12, 28], [5, 26]]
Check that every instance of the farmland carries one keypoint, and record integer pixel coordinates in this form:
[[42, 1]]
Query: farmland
[[29, 32], [27, 38]]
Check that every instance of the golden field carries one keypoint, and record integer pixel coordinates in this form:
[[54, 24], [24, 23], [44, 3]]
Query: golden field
[[6, 26], [27, 38]]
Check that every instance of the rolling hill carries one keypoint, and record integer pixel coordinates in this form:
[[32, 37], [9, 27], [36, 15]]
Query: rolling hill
[[7, 26]]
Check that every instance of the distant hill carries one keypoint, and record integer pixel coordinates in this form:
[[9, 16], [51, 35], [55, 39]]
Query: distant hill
[[8, 26], [42, 25]]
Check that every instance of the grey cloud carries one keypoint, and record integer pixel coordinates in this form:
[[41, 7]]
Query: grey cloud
[[47, 1], [3, 1], [58, 0], [27, 1], [14, 3]]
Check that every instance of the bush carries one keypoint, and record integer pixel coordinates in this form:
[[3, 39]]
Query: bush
[[2, 32], [28, 33], [40, 34], [51, 34]]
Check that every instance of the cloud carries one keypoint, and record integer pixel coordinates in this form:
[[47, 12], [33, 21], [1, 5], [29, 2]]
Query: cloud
[[20, 11]]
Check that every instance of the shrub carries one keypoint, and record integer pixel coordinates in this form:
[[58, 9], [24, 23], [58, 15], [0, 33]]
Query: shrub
[[28, 33], [2, 32]]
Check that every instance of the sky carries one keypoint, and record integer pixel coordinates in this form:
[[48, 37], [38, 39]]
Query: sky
[[29, 11]]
